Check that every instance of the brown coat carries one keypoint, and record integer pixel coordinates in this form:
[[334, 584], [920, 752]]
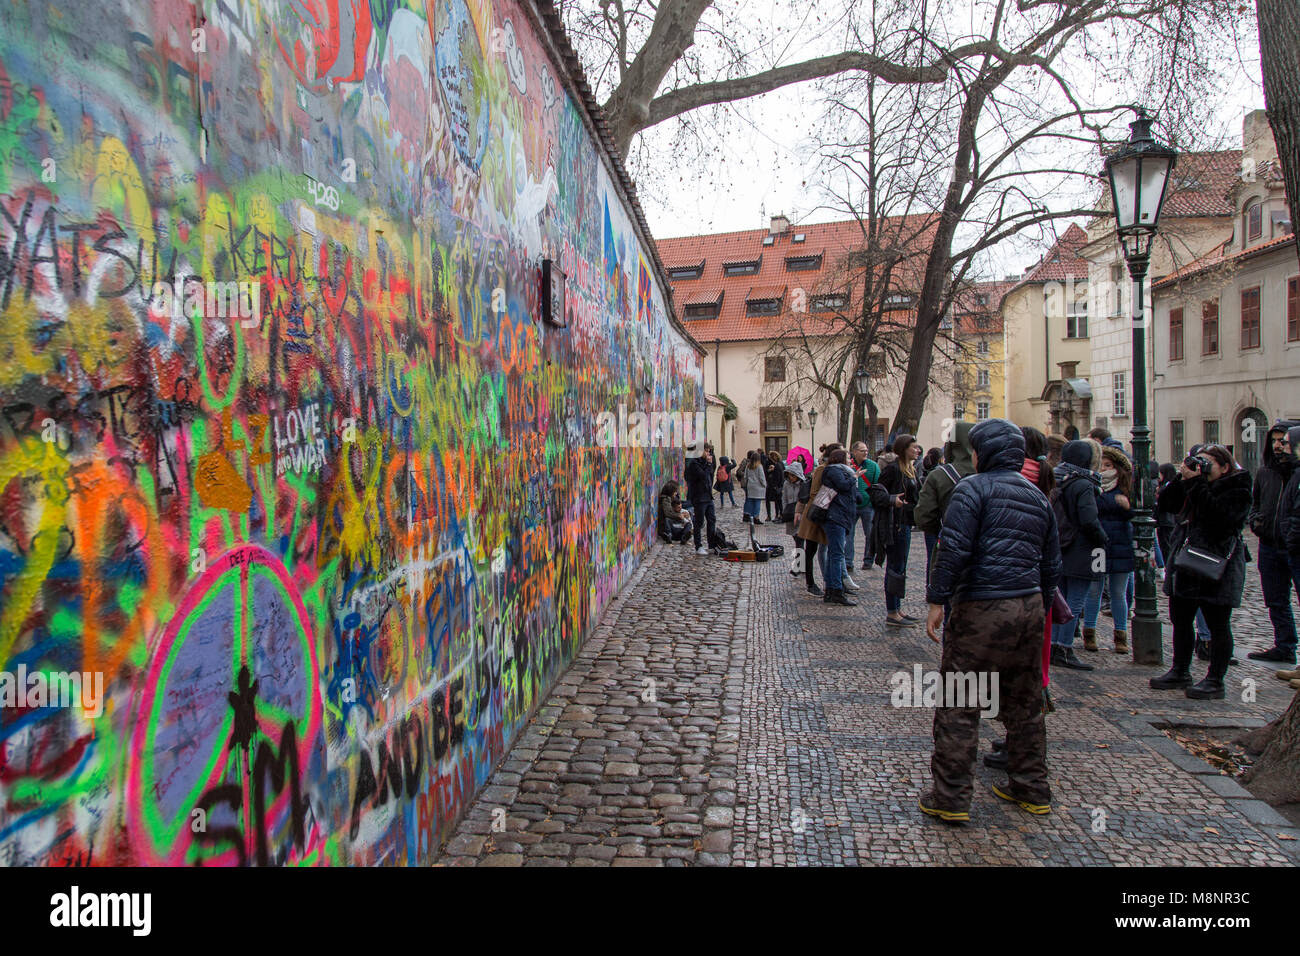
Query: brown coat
[[811, 530]]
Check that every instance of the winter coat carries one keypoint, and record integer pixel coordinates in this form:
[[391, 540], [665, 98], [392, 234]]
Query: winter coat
[[790, 495], [938, 486], [1079, 488], [699, 478], [670, 513], [1288, 520], [810, 530], [1213, 516], [999, 533], [755, 481], [844, 506], [774, 474], [1117, 522], [1270, 481], [868, 475], [897, 483]]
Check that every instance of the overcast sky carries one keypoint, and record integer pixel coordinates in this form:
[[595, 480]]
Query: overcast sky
[[764, 163]]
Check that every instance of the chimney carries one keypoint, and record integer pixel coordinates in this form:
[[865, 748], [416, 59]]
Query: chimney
[[1257, 138], [780, 225]]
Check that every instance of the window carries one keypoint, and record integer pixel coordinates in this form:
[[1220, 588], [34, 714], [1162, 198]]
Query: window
[[1176, 451], [799, 237], [741, 268], [1254, 221], [709, 310], [829, 303], [762, 306], [876, 439], [981, 321], [1076, 326], [1250, 318], [982, 378], [1210, 327], [1175, 335], [1117, 282], [1119, 388], [774, 368], [1293, 309], [802, 263], [1210, 431], [774, 419], [981, 299], [686, 272], [981, 411], [982, 347], [898, 300]]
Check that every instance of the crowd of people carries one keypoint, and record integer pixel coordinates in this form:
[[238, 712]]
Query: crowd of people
[[1029, 538]]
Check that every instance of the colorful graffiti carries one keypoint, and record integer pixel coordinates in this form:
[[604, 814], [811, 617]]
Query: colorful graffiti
[[330, 552]]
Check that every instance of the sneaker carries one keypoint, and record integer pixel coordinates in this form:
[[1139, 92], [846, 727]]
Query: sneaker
[[1276, 654], [926, 805], [850, 584], [1027, 805], [895, 622], [909, 617], [702, 550], [815, 591], [757, 520]]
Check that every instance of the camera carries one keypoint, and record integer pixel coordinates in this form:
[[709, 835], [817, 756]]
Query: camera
[[1198, 463]]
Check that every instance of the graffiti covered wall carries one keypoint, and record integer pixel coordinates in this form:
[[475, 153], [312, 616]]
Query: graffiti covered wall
[[287, 454]]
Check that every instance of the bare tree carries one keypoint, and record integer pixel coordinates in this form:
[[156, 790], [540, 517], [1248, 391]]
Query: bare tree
[[1279, 39]]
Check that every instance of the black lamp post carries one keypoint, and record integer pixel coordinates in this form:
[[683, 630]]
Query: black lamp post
[[1139, 174], [812, 420], [861, 382]]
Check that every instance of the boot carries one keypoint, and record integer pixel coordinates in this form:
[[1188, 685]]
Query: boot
[[1209, 688], [1172, 679], [850, 584], [1121, 642], [998, 760], [1202, 650], [1063, 656], [1277, 655], [1090, 639], [1287, 675], [814, 590], [836, 596], [1294, 684]]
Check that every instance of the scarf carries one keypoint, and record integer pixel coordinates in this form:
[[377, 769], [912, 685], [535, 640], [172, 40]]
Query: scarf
[[1030, 470], [1109, 479]]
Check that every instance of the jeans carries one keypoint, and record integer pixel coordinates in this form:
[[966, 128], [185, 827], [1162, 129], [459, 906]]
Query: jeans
[[1076, 593], [1277, 578], [729, 494], [1160, 555], [834, 570], [1218, 616], [704, 513], [1202, 629], [896, 561], [753, 507], [930, 541], [864, 518], [1118, 582]]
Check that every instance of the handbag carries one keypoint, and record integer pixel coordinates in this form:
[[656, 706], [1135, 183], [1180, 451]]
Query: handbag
[[819, 508], [787, 513], [1061, 613], [1202, 563]]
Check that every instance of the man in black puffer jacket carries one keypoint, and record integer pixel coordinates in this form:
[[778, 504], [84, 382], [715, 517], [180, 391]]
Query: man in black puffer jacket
[[1083, 540], [998, 565], [1277, 575]]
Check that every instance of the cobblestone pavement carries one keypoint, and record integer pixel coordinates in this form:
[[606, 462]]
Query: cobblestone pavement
[[721, 715]]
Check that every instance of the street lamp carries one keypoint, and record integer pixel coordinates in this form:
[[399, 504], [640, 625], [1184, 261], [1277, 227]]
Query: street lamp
[[861, 382], [812, 420], [1139, 173]]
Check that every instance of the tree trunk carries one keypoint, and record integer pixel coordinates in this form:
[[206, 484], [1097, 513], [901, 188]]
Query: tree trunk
[[1279, 39], [1275, 776]]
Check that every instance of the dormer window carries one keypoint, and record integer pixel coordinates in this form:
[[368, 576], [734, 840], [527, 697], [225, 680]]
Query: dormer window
[[832, 302], [676, 273], [898, 300], [744, 268], [802, 263], [1254, 221]]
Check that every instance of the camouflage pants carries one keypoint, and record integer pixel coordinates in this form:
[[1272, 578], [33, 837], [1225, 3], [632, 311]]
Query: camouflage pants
[[1003, 637]]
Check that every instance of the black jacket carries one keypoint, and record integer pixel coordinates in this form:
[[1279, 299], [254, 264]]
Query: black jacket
[[844, 506], [1212, 518], [699, 479], [897, 483], [1079, 491], [999, 535], [1117, 522], [1266, 496], [1288, 518]]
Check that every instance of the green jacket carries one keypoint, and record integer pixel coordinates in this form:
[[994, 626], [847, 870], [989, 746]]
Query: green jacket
[[868, 474], [933, 501]]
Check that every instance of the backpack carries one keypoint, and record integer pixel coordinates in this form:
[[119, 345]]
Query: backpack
[[1066, 529], [722, 474]]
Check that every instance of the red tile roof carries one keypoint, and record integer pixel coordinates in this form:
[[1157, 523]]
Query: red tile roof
[[1217, 257], [1062, 260], [1200, 183], [831, 240]]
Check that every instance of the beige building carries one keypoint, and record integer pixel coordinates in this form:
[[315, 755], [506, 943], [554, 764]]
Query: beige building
[[1045, 325], [741, 294], [1196, 219], [1226, 330]]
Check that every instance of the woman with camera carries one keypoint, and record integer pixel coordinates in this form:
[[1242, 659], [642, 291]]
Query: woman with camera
[[1207, 568]]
